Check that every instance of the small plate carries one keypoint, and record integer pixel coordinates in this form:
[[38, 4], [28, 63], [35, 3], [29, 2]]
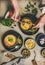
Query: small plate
[[17, 46], [43, 52], [27, 40], [39, 37], [25, 53]]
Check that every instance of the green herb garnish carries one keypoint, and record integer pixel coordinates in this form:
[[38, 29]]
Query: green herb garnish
[[23, 22], [7, 22], [34, 11], [33, 30], [10, 39], [31, 8], [19, 40]]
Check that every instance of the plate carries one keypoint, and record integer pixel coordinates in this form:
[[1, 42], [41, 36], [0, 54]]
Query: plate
[[25, 53], [15, 47], [33, 19], [43, 52], [39, 38], [28, 43]]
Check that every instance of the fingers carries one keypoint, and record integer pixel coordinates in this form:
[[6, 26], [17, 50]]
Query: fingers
[[38, 25], [13, 17], [16, 19], [41, 22]]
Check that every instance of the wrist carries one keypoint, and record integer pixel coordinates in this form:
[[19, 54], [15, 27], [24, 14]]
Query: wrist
[[15, 4]]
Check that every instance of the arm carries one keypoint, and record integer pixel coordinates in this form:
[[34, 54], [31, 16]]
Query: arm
[[15, 4], [15, 16]]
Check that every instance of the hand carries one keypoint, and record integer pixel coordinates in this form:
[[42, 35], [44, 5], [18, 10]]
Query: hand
[[41, 22], [15, 15]]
